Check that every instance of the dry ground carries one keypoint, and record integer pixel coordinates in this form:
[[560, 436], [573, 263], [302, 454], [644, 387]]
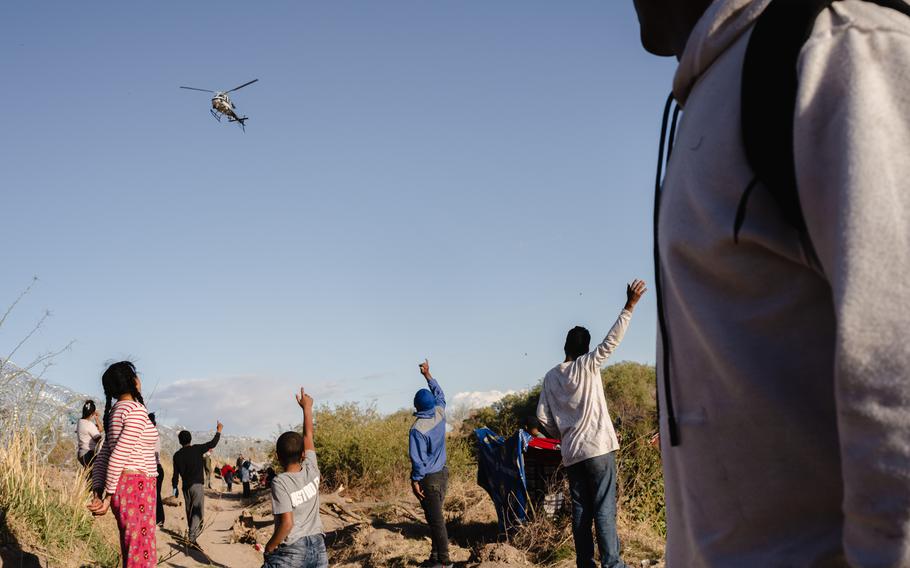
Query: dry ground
[[369, 533]]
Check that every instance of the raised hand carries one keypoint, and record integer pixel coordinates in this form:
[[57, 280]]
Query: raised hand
[[634, 292], [219, 427], [304, 400], [425, 369]]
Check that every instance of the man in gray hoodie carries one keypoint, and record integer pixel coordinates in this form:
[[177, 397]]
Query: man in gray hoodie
[[784, 376]]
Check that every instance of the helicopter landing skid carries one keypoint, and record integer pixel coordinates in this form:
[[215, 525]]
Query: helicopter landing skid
[[217, 115]]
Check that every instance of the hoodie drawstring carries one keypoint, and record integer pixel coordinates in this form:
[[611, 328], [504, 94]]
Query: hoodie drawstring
[[661, 318]]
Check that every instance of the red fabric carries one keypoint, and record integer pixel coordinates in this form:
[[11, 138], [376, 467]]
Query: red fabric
[[133, 505], [544, 443]]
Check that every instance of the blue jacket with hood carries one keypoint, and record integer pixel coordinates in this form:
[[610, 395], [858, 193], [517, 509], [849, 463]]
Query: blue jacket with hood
[[427, 444]]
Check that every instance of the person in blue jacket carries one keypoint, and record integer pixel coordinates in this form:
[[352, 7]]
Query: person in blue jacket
[[429, 474]]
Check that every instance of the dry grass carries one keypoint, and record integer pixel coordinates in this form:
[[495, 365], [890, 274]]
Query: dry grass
[[45, 508]]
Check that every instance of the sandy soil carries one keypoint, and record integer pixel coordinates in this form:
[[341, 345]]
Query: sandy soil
[[221, 511], [359, 533]]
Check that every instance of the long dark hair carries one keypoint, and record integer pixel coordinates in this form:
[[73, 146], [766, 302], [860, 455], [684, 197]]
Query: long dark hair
[[119, 379], [88, 409]]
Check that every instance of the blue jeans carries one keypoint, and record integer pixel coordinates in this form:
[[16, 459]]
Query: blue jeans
[[592, 483], [306, 552]]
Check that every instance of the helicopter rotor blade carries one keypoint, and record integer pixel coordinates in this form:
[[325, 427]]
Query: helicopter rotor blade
[[195, 89], [242, 86]]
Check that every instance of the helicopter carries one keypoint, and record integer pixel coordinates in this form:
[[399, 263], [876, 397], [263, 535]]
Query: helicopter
[[222, 105]]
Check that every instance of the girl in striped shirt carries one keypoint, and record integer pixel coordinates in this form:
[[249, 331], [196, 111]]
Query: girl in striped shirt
[[123, 476]]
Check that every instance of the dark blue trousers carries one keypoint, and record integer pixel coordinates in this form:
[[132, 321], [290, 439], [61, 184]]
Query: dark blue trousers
[[592, 483]]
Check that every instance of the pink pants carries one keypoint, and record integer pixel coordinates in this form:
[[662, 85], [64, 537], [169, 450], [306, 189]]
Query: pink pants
[[134, 507]]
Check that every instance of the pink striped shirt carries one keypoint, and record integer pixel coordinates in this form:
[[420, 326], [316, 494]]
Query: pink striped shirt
[[129, 443]]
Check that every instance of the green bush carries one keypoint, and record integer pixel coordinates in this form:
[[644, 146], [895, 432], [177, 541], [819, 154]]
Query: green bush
[[364, 450]]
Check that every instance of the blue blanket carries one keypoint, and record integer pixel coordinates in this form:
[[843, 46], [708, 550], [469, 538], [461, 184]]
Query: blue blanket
[[501, 472]]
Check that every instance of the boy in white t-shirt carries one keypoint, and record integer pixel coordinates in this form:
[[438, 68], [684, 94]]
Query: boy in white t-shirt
[[298, 540]]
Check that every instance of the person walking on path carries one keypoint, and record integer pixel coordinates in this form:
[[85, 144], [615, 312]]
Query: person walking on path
[[159, 505], [88, 434], [429, 474], [573, 408], [207, 463], [783, 233], [123, 475], [227, 474], [188, 465], [245, 476]]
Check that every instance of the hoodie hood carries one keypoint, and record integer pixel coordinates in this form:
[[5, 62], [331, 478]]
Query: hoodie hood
[[425, 403], [718, 28]]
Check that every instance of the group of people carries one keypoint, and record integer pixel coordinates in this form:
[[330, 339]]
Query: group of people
[[781, 255], [126, 472]]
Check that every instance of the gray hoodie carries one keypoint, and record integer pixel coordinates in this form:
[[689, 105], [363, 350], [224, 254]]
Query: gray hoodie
[[791, 383]]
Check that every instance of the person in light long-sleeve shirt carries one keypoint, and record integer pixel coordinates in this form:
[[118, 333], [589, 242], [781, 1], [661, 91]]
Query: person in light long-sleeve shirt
[[573, 407]]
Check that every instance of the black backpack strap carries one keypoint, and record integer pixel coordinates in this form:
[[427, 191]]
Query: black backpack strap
[[769, 86], [768, 101]]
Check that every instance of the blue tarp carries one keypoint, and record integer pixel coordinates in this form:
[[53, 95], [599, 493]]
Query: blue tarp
[[501, 471]]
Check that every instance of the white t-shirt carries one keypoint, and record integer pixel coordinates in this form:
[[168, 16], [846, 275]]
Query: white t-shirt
[[88, 436]]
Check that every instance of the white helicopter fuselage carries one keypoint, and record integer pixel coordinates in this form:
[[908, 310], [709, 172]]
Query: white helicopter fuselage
[[222, 103]]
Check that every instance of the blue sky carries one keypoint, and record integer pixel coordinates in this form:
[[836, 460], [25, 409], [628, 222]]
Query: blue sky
[[458, 180]]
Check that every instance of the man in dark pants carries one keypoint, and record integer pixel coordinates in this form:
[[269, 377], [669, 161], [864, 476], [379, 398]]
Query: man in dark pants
[[188, 464], [429, 475]]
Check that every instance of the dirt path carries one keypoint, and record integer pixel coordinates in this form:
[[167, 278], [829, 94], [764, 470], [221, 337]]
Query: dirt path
[[221, 510]]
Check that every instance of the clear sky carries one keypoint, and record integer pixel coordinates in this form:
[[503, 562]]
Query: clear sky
[[459, 180]]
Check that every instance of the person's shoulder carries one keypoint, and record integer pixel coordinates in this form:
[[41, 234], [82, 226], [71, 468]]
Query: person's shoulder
[[555, 374], [133, 409], [280, 485], [860, 15]]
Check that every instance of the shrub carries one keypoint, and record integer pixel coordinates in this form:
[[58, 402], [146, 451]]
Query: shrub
[[361, 449], [48, 506]]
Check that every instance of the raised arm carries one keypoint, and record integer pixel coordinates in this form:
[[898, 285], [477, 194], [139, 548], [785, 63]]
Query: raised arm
[[214, 441], [306, 403], [432, 384], [602, 352]]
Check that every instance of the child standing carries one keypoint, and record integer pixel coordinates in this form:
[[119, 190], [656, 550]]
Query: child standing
[[124, 472], [429, 474], [297, 541]]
